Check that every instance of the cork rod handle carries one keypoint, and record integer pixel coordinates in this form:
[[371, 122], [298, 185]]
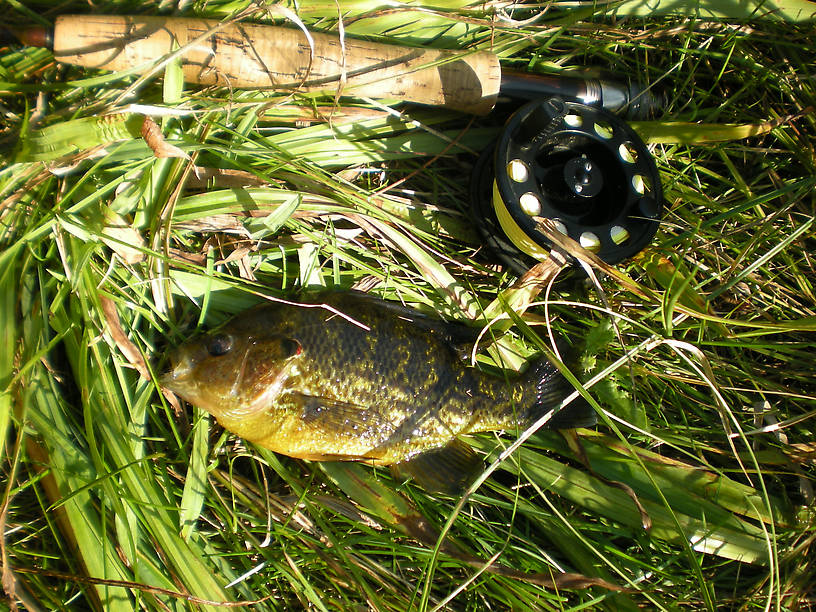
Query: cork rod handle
[[244, 55]]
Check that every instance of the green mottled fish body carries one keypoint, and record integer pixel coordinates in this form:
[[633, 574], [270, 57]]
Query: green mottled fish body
[[355, 378]]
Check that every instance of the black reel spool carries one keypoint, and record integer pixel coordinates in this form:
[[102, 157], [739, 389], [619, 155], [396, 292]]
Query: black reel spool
[[580, 166]]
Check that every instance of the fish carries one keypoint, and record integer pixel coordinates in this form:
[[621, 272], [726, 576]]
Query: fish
[[349, 377]]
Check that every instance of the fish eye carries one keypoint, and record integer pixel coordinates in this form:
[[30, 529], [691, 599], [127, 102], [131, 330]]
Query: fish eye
[[291, 347], [219, 345]]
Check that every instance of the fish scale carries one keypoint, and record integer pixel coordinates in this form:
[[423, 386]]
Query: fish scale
[[381, 384]]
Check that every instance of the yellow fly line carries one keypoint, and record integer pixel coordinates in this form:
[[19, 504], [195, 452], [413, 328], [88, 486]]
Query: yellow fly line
[[514, 232]]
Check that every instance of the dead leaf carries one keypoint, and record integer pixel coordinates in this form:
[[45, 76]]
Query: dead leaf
[[245, 270], [417, 526], [574, 442], [238, 253], [123, 239], [214, 223], [203, 177], [138, 586], [802, 452], [123, 343], [69, 163], [128, 349], [366, 284], [240, 256], [9, 581], [155, 140], [542, 274], [187, 257]]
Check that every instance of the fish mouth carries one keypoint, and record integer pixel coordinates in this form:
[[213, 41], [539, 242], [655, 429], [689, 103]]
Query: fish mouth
[[177, 376], [167, 379]]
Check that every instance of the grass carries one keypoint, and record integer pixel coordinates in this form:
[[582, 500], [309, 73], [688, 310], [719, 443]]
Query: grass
[[700, 490]]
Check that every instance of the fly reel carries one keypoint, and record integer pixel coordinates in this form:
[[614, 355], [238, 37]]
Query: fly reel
[[580, 166]]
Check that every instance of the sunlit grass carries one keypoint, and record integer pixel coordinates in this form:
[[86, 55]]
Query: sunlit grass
[[115, 498]]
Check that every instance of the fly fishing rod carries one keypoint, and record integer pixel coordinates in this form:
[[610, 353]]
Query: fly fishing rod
[[246, 55], [567, 155]]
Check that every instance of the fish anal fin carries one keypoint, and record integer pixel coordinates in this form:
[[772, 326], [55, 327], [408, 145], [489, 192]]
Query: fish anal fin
[[447, 469], [456, 335]]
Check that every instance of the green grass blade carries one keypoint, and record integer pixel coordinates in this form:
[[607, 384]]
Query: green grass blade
[[282, 191], [194, 492], [785, 10], [720, 534]]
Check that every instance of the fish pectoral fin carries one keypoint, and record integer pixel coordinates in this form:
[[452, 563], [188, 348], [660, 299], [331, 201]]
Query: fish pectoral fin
[[448, 469], [331, 415]]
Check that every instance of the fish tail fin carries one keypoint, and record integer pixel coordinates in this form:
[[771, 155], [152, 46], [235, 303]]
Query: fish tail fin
[[547, 387]]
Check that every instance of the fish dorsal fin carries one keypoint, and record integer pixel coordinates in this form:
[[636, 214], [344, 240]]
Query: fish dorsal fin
[[447, 469], [454, 334]]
